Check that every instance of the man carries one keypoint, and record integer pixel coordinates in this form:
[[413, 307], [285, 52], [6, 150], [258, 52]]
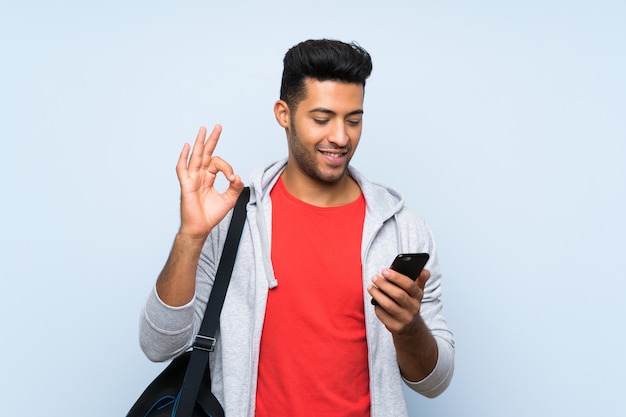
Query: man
[[298, 334]]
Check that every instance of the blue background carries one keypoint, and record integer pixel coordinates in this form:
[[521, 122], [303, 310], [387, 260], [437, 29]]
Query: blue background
[[502, 122]]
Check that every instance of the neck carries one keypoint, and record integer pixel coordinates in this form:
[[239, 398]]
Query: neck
[[320, 193]]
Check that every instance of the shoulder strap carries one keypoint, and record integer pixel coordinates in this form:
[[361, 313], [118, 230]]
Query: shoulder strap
[[222, 276], [205, 340]]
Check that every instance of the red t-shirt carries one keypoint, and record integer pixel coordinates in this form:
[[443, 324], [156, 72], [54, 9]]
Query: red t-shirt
[[313, 359]]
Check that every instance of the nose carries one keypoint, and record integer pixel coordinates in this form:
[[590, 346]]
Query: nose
[[339, 134]]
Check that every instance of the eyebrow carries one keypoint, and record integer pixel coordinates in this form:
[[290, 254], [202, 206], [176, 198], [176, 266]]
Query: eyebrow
[[331, 112]]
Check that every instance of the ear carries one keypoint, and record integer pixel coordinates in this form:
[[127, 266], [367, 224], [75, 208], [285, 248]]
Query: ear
[[281, 112]]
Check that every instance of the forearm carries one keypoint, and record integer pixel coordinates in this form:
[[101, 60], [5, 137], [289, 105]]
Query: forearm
[[176, 284], [416, 352], [167, 322]]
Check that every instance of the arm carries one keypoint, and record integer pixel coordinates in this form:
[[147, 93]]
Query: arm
[[202, 208], [399, 301], [166, 323]]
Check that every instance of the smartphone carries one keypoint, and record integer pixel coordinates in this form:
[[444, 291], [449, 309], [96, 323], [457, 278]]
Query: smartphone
[[409, 264]]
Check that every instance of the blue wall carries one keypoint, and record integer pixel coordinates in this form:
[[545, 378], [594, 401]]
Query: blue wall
[[502, 122]]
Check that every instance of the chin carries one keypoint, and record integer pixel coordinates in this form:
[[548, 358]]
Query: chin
[[331, 177]]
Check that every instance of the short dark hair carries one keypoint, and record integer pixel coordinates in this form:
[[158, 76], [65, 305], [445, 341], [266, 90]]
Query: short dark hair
[[322, 60]]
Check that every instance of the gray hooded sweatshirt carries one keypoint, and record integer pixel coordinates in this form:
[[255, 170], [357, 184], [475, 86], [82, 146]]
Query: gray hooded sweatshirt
[[389, 229]]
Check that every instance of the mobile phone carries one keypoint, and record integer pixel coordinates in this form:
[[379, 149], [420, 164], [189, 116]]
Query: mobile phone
[[409, 264]]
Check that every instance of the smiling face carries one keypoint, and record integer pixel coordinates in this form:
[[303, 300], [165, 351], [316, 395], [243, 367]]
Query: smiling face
[[323, 131]]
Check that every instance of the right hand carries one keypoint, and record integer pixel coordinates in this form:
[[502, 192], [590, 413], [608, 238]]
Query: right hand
[[202, 207]]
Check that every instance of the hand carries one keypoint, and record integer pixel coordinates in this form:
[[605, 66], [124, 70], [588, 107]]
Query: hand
[[399, 300], [202, 206]]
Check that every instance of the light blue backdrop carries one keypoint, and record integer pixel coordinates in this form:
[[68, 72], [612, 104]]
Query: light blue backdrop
[[502, 122]]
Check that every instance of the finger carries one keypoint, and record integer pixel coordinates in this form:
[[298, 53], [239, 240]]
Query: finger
[[235, 187], [195, 162], [217, 164], [398, 287], [423, 277], [397, 278], [181, 165], [210, 144], [386, 290], [389, 286], [376, 294], [388, 308]]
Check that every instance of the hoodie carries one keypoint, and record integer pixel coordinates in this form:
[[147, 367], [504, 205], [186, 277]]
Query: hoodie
[[389, 228]]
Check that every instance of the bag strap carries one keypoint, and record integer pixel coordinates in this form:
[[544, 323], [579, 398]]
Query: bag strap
[[205, 340]]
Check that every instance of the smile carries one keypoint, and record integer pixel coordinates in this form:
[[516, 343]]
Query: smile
[[333, 154]]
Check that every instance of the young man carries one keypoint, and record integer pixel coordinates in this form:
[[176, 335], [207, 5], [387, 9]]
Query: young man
[[298, 334]]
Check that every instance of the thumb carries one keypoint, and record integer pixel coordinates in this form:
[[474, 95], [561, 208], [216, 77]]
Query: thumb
[[422, 278], [235, 187]]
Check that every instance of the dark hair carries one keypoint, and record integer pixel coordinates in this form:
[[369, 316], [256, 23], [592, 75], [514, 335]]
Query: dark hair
[[322, 60]]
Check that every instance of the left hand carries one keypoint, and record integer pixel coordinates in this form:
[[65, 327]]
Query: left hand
[[399, 300]]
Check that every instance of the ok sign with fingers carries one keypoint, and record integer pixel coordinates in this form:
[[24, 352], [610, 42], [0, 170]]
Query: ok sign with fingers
[[202, 206]]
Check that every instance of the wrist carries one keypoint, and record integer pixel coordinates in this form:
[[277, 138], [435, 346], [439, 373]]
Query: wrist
[[190, 240]]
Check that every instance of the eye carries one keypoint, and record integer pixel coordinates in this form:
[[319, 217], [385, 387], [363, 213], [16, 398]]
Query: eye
[[320, 121], [354, 122]]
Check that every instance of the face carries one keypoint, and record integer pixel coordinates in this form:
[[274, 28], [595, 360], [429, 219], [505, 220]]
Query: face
[[324, 130]]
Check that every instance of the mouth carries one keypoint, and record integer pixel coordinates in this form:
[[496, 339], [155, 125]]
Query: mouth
[[333, 153], [334, 157]]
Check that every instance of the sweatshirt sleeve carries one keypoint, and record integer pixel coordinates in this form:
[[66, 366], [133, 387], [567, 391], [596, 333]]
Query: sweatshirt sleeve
[[165, 331], [432, 314], [439, 379]]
